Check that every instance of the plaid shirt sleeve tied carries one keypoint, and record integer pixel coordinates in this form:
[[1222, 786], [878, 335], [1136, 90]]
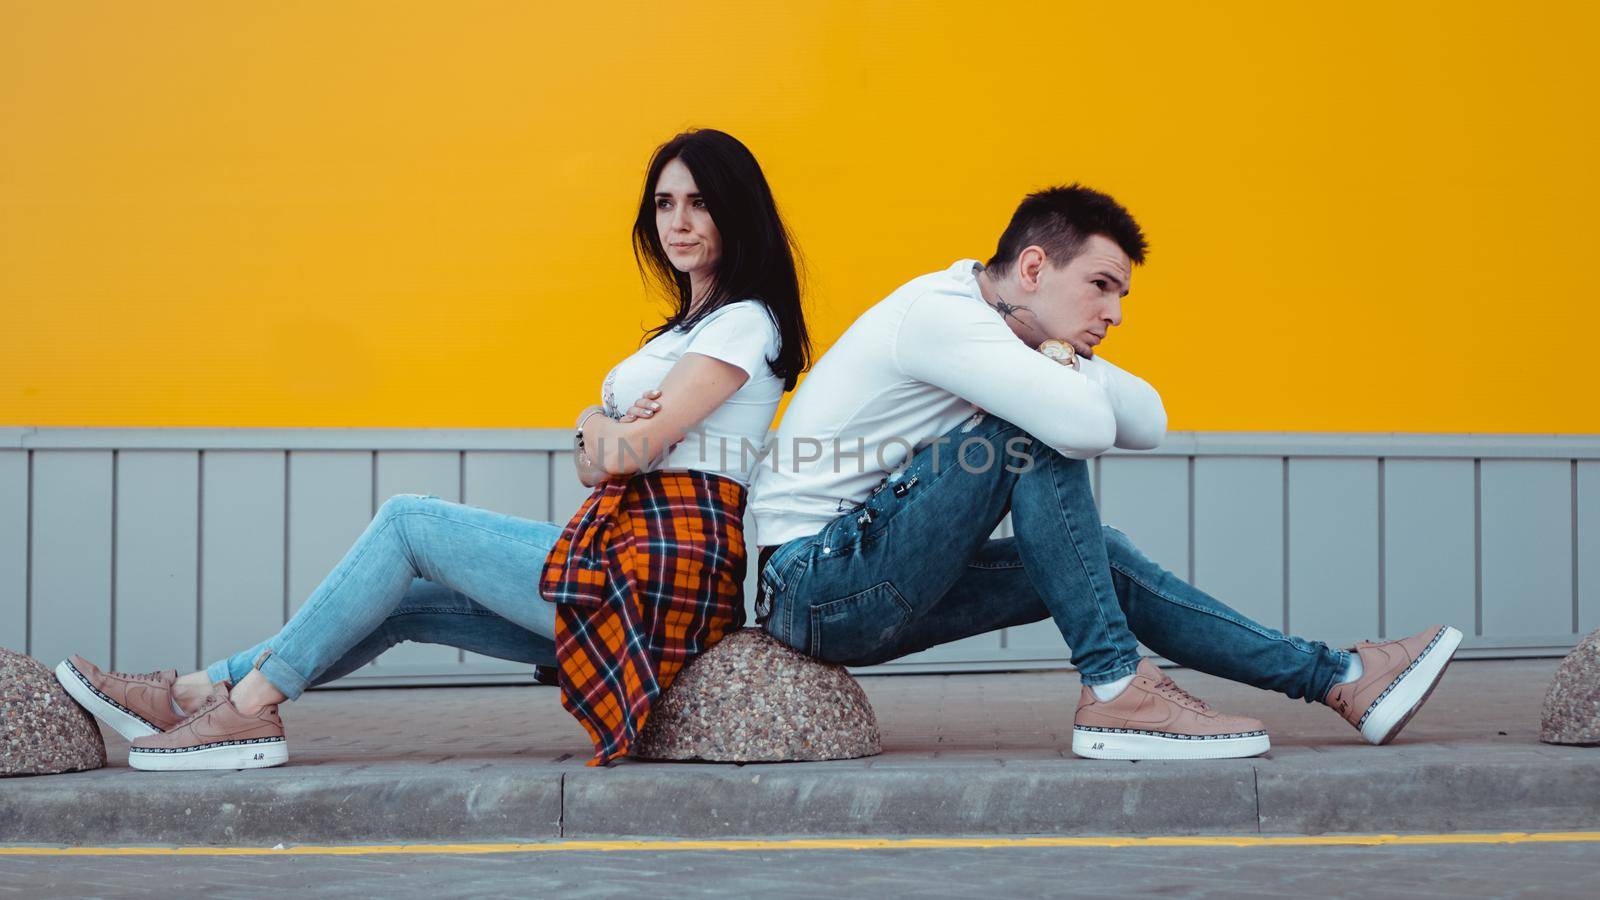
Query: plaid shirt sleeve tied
[[648, 574]]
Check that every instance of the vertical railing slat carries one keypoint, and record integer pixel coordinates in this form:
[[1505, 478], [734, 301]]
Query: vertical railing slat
[[1333, 550], [1527, 548], [1428, 566], [1587, 540], [241, 547], [72, 555], [1238, 540], [14, 550], [157, 529]]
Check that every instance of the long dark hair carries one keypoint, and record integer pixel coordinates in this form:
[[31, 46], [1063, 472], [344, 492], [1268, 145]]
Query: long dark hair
[[758, 255]]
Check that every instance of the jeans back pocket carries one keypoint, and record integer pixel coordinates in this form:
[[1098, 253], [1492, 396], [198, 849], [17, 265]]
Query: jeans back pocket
[[859, 629]]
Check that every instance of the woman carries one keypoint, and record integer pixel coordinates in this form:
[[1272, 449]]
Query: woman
[[425, 569]]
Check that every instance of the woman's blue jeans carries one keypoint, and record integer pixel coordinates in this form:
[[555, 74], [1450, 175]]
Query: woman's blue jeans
[[424, 570]]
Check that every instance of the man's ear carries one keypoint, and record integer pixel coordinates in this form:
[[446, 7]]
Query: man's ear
[[1030, 263]]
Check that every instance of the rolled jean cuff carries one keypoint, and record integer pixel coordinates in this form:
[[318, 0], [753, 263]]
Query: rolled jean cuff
[[280, 674], [218, 671], [1121, 671], [283, 676]]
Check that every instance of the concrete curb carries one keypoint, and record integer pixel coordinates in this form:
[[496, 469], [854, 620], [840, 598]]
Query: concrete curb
[[1072, 797], [408, 803], [271, 806], [1549, 794]]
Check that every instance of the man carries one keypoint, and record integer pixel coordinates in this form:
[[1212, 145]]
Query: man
[[935, 414]]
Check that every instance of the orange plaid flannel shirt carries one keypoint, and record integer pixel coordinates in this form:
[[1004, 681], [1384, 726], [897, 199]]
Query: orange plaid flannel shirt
[[648, 574]]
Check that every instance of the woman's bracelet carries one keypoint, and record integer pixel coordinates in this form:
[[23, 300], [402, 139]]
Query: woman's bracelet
[[592, 412], [583, 454]]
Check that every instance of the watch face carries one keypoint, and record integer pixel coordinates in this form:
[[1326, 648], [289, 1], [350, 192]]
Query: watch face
[[1060, 351]]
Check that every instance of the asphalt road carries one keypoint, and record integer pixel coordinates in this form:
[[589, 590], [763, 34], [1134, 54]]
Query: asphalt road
[[1557, 868]]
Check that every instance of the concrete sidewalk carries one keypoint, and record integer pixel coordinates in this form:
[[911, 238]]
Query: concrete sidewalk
[[964, 754]]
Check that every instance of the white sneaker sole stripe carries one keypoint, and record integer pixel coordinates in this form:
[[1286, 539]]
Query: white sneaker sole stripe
[[255, 753], [1397, 703], [1125, 743], [126, 722]]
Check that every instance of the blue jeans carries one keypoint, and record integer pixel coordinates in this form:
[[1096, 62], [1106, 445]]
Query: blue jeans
[[913, 566], [424, 570]]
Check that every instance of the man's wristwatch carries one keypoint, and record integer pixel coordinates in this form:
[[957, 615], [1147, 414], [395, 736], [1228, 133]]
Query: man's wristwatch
[[1060, 351]]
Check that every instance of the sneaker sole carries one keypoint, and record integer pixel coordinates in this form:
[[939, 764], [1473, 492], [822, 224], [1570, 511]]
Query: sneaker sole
[[257, 754], [1394, 709], [126, 722], [1130, 744]]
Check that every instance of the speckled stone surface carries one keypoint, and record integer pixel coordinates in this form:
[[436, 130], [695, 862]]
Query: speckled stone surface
[[42, 730], [1572, 705], [752, 699]]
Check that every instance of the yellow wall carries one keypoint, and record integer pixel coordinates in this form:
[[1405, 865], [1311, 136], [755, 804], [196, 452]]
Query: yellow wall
[[1365, 217]]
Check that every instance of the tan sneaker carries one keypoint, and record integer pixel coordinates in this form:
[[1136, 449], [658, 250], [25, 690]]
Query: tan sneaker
[[1153, 718], [217, 736], [135, 705], [1396, 677]]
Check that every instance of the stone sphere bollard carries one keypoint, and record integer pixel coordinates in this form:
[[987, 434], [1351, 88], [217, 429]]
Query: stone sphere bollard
[[752, 699], [1572, 705], [43, 730]]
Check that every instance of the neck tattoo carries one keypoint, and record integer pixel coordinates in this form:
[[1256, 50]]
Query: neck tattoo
[[1007, 310]]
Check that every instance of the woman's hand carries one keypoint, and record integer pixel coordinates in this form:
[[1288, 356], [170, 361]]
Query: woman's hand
[[645, 407], [642, 408], [698, 384]]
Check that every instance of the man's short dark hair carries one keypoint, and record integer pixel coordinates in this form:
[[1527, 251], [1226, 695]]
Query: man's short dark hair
[[1061, 219]]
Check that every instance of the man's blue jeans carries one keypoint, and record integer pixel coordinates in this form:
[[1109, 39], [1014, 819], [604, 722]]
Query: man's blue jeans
[[914, 567], [425, 570]]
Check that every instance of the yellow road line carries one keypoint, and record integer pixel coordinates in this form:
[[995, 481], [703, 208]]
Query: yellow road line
[[802, 844]]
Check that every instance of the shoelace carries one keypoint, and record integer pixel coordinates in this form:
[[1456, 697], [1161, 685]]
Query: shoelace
[[211, 702], [1170, 688], [205, 707]]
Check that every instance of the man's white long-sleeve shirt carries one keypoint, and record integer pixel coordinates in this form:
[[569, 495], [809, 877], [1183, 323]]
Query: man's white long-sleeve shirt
[[909, 370]]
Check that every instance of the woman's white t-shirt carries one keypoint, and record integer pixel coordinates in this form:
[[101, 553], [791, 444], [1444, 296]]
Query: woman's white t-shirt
[[729, 441]]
